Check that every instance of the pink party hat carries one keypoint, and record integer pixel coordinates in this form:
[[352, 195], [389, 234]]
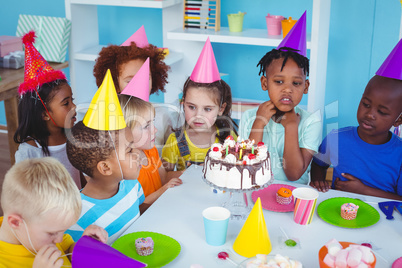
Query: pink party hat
[[206, 70], [139, 38], [392, 66], [139, 84], [89, 252], [296, 38]]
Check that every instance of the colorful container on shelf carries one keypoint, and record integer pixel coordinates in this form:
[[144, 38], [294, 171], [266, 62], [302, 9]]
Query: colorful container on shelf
[[9, 44], [236, 21], [274, 24], [287, 25]]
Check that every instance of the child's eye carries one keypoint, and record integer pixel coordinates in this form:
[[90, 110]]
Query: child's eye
[[365, 104], [52, 234], [278, 81], [296, 83], [147, 126], [382, 113], [208, 109], [66, 103], [191, 107]]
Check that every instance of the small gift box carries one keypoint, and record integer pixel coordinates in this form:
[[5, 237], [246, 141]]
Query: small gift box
[[52, 33], [13, 60], [9, 44]]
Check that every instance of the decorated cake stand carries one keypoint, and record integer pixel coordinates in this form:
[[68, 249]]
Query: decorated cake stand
[[237, 201]]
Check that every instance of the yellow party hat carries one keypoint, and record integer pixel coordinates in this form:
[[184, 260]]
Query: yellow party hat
[[253, 238], [104, 112]]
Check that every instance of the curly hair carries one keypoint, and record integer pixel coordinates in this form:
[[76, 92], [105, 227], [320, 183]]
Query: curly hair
[[285, 53], [222, 94], [113, 57], [86, 147]]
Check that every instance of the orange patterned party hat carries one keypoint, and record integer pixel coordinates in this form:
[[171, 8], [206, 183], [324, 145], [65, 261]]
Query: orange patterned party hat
[[37, 70]]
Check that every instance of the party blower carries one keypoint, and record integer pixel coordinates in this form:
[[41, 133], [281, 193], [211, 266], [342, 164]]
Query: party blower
[[89, 252]]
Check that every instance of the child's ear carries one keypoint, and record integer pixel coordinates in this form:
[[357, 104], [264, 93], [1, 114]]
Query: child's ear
[[45, 116], [398, 121], [104, 168], [264, 83], [307, 86], [14, 221], [222, 109]]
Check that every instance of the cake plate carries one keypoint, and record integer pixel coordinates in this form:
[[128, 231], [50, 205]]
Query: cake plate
[[237, 203]]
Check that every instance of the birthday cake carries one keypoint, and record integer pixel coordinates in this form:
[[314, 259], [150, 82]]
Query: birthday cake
[[349, 211], [238, 164]]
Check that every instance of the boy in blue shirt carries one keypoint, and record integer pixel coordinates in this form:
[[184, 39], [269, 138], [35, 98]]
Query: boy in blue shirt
[[368, 159]]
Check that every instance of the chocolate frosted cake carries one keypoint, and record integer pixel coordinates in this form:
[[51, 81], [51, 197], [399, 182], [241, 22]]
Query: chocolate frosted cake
[[238, 165]]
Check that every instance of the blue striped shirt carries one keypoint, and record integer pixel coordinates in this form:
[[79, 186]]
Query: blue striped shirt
[[114, 214]]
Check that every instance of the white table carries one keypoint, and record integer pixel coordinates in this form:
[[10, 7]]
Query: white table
[[177, 213]]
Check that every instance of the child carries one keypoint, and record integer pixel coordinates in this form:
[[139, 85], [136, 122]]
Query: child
[[45, 109], [291, 134], [367, 158], [124, 62], [101, 147], [207, 103], [153, 177], [36, 214]]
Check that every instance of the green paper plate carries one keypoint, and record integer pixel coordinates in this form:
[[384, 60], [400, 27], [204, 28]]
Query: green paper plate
[[330, 211], [166, 248]]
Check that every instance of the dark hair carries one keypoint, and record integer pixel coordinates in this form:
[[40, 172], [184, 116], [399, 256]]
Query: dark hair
[[31, 125], [223, 94], [285, 53], [113, 57], [86, 147]]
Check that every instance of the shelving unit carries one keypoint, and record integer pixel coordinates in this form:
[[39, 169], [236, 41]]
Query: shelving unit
[[190, 41], [84, 41]]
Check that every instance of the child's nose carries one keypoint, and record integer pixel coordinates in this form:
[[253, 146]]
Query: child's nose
[[58, 238]]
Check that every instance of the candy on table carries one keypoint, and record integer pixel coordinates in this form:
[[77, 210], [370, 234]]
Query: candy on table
[[278, 260], [223, 255]]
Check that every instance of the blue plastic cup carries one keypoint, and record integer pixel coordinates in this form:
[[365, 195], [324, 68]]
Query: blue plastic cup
[[216, 221]]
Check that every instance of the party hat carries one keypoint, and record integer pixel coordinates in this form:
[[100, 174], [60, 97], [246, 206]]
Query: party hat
[[139, 38], [37, 71], [139, 84], [206, 70], [392, 66], [253, 238], [89, 252], [296, 38], [104, 112]]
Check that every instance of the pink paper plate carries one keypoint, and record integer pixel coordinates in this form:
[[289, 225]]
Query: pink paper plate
[[268, 198], [397, 263]]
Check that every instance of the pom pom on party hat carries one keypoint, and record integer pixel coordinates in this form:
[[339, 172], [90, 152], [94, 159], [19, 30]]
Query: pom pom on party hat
[[139, 38], [105, 112], [253, 238], [296, 38], [392, 66], [89, 252], [139, 84], [206, 69], [37, 71]]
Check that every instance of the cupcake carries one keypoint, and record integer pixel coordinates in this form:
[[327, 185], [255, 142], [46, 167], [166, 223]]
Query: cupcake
[[144, 246], [284, 196], [349, 211]]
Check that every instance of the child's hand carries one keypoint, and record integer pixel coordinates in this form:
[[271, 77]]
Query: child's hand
[[290, 117], [353, 184], [321, 186], [264, 113], [173, 182], [96, 232], [48, 257]]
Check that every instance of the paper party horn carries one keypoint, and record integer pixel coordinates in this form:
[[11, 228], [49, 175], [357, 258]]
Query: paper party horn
[[89, 252], [253, 238]]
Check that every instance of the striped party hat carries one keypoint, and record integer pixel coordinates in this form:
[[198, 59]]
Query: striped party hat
[[37, 70]]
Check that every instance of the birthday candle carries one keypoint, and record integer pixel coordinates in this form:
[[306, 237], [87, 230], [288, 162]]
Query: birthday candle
[[252, 149], [237, 146], [241, 152], [227, 149]]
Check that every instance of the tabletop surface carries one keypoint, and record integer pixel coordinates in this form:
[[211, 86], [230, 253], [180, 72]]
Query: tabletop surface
[[177, 213]]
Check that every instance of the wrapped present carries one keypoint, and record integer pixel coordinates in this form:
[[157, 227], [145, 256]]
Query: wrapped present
[[9, 44], [13, 60], [52, 33]]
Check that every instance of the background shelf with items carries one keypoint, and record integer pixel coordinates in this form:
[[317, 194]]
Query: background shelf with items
[[84, 41], [190, 42]]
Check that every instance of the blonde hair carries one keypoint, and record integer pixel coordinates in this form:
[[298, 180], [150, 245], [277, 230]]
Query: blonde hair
[[133, 108], [34, 186]]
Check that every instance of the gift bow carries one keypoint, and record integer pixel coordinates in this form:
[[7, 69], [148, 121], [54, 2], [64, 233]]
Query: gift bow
[[15, 54]]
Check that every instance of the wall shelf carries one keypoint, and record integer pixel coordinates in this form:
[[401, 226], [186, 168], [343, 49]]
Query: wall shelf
[[258, 37], [91, 53], [129, 3]]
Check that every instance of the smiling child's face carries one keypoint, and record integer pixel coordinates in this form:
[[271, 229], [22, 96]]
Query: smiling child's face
[[379, 109], [287, 86], [144, 130]]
